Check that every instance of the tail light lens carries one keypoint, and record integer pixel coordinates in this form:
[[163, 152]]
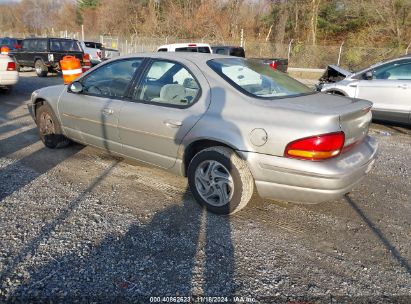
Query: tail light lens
[[273, 65], [318, 147], [11, 66]]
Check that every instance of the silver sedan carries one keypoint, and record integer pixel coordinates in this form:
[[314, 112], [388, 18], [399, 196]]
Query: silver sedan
[[228, 124]]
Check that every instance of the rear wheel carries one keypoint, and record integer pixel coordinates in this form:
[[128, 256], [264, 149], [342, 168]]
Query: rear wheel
[[41, 69], [220, 180], [49, 128]]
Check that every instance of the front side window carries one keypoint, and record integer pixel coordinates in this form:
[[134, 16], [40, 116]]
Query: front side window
[[169, 83], [257, 79], [112, 79], [400, 70]]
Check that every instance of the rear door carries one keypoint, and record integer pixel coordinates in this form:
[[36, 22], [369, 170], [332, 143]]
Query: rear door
[[92, 116], [389, 90], [167, 102]]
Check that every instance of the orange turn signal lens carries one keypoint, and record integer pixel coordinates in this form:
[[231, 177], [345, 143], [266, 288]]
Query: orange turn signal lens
[[317, 147]]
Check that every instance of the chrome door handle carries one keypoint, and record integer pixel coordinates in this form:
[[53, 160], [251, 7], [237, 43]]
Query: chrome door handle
[[107, 111], [402, 86], [173, 123]]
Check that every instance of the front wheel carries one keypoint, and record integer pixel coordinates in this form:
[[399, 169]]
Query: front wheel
[[220, 180], [50, 130]]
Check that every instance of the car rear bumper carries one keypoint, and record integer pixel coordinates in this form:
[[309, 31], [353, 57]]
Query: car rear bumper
[[303, 181], [9, 78]]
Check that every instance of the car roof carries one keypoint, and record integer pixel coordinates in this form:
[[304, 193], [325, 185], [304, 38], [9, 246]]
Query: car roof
[[198, 58]]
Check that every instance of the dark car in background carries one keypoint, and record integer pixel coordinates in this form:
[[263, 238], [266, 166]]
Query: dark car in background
[[237, 51], [280, 64], [11, 43], [44, 54]]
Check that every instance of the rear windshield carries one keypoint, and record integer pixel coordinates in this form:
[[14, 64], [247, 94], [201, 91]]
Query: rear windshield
[[65, 45], [200, 49], [93, 45], [257, 79], [238, 52]]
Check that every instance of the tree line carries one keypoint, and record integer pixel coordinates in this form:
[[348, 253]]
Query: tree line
[[369, 23]]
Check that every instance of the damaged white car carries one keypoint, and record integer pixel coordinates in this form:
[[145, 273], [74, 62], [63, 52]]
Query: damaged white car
[[386, 84]]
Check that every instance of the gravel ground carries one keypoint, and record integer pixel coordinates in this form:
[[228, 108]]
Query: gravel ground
[[79, 224]]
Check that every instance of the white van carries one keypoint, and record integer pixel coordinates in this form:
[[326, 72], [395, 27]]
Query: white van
[[186, 47]]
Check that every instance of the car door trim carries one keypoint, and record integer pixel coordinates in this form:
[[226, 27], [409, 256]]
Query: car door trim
[[144, 132], [89, 120]]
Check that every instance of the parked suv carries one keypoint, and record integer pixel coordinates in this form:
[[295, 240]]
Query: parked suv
[[44, 54]]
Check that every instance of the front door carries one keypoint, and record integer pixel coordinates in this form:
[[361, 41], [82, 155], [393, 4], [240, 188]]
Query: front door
[[92, 115], [166, 104], [389, 90]]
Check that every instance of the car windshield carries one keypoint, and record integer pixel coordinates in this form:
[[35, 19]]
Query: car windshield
[[257, 79]]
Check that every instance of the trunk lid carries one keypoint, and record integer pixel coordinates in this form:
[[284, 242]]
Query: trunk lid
[[355, 120], [353, 115]]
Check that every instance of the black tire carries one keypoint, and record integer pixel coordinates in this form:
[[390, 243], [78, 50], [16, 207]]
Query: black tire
[[40, 68], [336, 93], [50, 130], [7, 89], [226, 159]]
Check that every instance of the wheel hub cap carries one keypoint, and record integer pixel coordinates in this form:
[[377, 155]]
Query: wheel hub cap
[[46, 124], [214, 183]]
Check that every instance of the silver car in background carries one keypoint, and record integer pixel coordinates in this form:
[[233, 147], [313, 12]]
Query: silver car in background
[[386, 84], [226, 123]]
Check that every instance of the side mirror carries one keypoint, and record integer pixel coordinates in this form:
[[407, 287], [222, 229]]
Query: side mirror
[[75, 87], [368, 75]]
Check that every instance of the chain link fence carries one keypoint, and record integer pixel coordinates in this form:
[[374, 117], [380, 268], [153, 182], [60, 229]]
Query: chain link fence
[[300, 55]]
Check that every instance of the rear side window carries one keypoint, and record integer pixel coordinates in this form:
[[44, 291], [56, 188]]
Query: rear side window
[[65, 45], [30, 44], [162, 50], [203, 49], [238, 52], [220, 51], [41, 45], [168, 83]]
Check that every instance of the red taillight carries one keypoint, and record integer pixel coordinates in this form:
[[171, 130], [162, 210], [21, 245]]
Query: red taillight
[[11, 66], [316, 147], [192, 44], [273, 65]]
